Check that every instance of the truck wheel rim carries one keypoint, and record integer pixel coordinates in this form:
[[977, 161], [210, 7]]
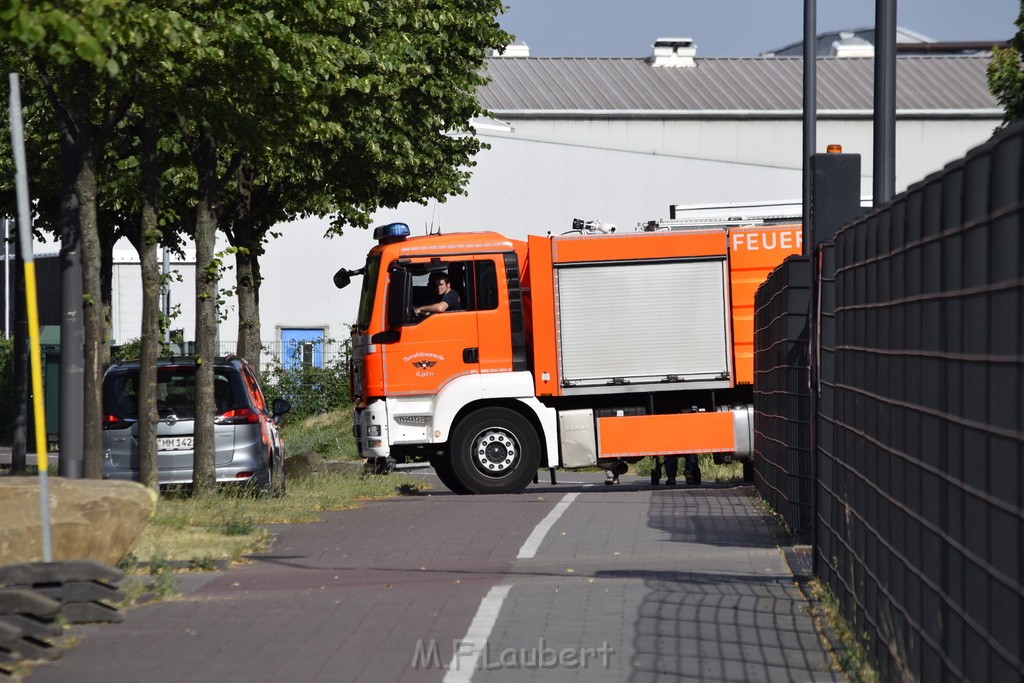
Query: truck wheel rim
[[495, 451]]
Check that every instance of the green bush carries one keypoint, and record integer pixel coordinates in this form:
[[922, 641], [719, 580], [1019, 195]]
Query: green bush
[[130, 350], [6, 388], [329, 434], [311, 390]]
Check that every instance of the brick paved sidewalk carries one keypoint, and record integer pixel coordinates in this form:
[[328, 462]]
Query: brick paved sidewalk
[[675, 584], [691, 588]]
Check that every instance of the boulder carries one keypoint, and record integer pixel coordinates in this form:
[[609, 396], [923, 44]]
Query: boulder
[[303, 465], [89, 518]]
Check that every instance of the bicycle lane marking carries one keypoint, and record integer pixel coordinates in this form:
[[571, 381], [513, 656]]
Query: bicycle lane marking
[[532, 544], [464, 659]]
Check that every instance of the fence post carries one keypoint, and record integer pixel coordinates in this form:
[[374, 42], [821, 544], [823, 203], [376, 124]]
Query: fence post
[[834, 202]]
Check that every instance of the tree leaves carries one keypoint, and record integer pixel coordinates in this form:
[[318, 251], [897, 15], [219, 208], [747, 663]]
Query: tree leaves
[[1006, 75]]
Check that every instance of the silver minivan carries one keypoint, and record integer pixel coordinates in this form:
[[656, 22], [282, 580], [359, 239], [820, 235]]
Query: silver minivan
[[248, 445]]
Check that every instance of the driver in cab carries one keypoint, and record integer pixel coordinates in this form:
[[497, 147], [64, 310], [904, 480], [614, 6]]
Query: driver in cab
[[448, 298]]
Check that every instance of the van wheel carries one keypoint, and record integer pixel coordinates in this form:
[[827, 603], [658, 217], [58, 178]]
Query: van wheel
[[494, 450], [277, 480], [263, 485]]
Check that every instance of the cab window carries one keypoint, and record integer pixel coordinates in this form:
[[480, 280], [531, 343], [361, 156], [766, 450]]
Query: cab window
[[476, 283]]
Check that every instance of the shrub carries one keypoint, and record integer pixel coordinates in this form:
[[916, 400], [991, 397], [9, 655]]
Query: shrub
[[6, 388], [311, 390]]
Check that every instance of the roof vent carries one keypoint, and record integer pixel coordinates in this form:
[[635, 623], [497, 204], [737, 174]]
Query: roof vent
[[673, 52], [517, 49], [852, 46]]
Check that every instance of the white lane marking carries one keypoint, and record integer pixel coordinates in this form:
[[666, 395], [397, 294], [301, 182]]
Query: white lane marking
[[468, 650], [529, 548]]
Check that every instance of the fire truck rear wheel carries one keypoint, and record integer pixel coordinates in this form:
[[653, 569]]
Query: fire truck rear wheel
[[494, 450]]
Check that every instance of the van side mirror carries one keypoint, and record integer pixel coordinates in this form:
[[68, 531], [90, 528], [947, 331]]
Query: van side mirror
[[280, 406], [399, 297]]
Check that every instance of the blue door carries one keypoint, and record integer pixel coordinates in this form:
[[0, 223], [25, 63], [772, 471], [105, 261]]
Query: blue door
[[302, 347]]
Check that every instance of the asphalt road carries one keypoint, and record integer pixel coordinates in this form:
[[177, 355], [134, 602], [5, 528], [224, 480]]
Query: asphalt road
[[30, 458], [578, 581]]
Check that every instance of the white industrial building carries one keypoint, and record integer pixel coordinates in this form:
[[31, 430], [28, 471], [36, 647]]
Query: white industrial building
[[619, 140]]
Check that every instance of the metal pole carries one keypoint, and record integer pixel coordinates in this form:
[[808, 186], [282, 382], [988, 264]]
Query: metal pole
[[7, 278], [19, 367], [71, 415], [167, 296], [884, 179], [810, 113], [25, 235]]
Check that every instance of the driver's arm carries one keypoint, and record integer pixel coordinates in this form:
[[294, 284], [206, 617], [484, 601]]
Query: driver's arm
[[439, 307]]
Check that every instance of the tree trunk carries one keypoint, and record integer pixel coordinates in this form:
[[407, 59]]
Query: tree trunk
[[247, 280], [247, 277], [92, 308], [107, 240], [149, 237], [207, 276]]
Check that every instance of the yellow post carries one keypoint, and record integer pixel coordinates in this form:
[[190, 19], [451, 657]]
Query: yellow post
[[38, 409], [25, 239]]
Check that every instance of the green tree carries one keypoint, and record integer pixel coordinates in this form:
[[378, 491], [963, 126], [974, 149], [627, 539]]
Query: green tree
[[74, 48], [281, 110], [1005, 75], [379, 113]]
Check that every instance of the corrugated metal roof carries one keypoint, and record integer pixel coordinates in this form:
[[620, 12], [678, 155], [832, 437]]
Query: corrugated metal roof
[[599, 86]]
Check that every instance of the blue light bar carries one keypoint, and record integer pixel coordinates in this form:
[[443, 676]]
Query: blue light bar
[[391, 232]]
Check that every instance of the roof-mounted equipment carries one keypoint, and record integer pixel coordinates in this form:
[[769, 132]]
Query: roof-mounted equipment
[[591, 227], [392, 232]]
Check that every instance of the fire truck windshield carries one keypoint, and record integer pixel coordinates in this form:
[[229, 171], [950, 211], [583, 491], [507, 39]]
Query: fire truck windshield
[[367, 294]]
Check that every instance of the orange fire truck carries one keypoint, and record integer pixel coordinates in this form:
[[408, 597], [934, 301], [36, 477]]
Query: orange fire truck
[[591, 348]]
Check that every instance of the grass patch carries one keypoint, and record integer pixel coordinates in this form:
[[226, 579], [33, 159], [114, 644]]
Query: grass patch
[[31, 470], [158, 584], [329, 434], [851, 656], [709, 471], [199, 532]]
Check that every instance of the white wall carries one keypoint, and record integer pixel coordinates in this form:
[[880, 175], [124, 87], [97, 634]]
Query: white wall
[[538, 177]]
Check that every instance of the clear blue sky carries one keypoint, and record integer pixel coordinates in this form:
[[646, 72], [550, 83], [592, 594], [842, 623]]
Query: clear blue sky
[[732, 28]]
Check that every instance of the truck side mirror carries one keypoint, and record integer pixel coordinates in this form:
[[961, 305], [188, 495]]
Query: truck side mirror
[[399, 297], [342, 279], [344, 276]]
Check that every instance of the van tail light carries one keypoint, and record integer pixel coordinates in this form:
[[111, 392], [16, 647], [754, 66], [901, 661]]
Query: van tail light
[[267, 439], [111, 421], [238, 416]]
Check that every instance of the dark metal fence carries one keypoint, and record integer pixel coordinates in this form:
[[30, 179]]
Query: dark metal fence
[[922, 526], [782, 463], [918, 392]]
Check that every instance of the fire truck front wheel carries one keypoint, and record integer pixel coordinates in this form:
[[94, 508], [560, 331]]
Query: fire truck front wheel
[[443, 469], [494, 450]]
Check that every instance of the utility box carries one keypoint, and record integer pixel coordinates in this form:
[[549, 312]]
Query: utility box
[[49, 357]]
